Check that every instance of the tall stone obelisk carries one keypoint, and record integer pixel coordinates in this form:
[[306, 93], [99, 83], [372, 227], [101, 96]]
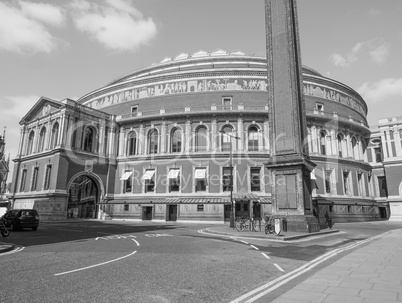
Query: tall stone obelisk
[[290, 165]]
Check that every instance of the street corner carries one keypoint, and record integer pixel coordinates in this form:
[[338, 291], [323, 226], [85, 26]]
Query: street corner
[[7, 247]]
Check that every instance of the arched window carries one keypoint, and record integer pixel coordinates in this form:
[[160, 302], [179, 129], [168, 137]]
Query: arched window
[[322, 142], [354, 148], [89, 139], [153, 141], [201, 139], [175, 141], [227, 132], [253, 142], [55, 135], [131, 144], [42, 137], [339, 138], [31, 139]]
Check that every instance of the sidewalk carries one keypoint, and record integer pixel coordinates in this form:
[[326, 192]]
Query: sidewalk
[[370, 273], [283, 236]]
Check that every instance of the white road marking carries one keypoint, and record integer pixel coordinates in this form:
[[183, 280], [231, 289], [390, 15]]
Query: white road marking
[[18, 249], [256, 248], [158, 235], [270, 286], [95, 265], [99, 232], [266, 256], [243, 242], [138, 244], [278, 267]]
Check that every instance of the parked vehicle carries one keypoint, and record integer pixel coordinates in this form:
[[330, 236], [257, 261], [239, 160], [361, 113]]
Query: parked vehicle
[[22, 218]]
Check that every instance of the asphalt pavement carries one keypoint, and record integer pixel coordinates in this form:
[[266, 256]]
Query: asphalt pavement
[[371, 272]]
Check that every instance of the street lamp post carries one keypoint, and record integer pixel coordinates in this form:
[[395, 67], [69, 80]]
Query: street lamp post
[[232, 208]]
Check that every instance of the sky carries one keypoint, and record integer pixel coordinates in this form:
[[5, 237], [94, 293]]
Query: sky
[[64, 49]]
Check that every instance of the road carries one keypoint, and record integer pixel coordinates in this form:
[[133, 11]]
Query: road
[[99, 261]]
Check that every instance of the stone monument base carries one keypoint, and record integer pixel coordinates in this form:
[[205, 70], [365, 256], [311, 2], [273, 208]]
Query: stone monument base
[[301, 223]]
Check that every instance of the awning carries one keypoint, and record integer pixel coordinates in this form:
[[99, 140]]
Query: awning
[[137, 200], [173, 173], [197, 200], [252, 197], [126, 175], [200, 173], [148, 174]]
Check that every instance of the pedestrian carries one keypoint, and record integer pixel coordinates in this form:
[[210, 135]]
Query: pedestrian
[[326, 217]]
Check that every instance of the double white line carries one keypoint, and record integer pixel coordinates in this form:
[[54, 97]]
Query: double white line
[[267, 288]]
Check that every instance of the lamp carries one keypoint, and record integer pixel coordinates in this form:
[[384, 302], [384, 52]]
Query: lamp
[[232, 209]]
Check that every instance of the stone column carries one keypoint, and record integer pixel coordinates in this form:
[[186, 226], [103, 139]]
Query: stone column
[[266, 135], [384, 146], [334, 143], [188, 137], [21, 144], [314, 138], [239, 144], [214, 134], [163, 137], [290, 165], [141, 141]]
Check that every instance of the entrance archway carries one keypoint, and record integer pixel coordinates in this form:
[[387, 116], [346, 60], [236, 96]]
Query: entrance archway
[[84, 192]]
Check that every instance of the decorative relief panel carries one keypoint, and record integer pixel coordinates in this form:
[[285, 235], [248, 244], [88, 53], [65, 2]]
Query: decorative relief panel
[[178, 88], [333, 95]]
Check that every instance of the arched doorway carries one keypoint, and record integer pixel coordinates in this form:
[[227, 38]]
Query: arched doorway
[[83, 197]]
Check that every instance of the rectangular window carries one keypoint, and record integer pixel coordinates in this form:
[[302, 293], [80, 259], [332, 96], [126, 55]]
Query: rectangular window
[[34, 178], [382, 185], [227, 103], [346, 182], [149, 177], [378, 154], [200, 179], [227, 177], [360, 184], [134, 110], [349, 208], [174, 180], [331, 208], [126, 207], [23, 179], [200, 207], [319, 107], [327, 178], [238, 207], [127, 181], [245, 207], [255, 179], [48, 175]]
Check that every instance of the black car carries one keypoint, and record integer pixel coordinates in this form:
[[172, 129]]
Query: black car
[[22, 218]]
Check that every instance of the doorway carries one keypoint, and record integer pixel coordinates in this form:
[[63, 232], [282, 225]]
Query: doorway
[[82, 199], [147, 213], [172, 213]]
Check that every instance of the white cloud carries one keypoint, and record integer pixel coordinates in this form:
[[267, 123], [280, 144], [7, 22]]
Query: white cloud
[[376, 50], [22, 29], [45, 13], [383, 90], [116, 24]]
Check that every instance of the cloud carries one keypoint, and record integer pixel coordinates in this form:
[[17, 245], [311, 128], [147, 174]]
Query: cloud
[[116, 24], [376, 50], [382, 90], [42, 12], [374, 12], [22, 28]]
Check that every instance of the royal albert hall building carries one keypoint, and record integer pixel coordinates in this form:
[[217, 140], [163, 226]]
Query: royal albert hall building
[[158, 144]]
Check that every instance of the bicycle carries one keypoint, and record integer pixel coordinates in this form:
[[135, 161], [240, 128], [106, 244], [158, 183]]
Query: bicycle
[[269, 226], [243, 224], [4, 230], [256, 224]]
